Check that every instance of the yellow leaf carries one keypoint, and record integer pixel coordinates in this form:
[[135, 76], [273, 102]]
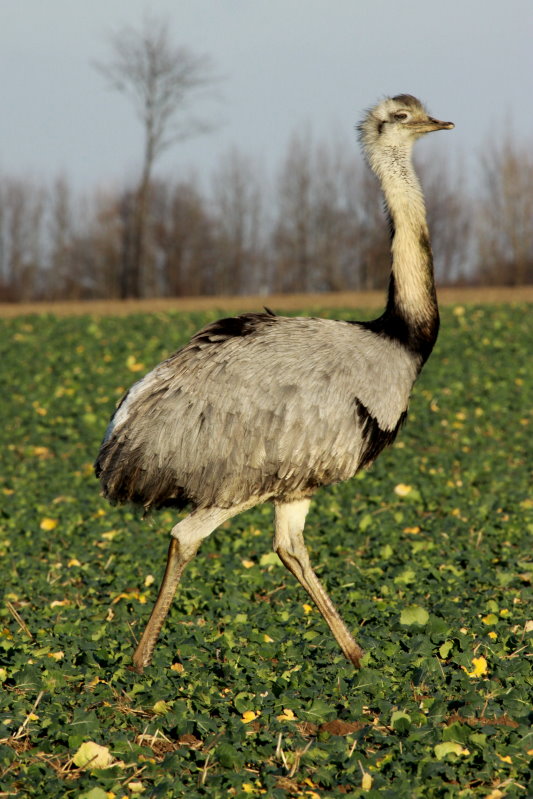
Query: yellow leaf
[[132, 594], [366, 782], [307, 609], [249, 715], [412, 530], [109, 535], [161, 707], [492, 635], [73, 562], [60, 603], [149, 580], [57, 655], [48, 524], [133, 365], [247, 564], [136, 786], [491, 618], [287, 715], [42, 452], [504, 758], [248, 787], [119, 597], [480, 667], [402, 490], [91, 755], [179, 667], [267, 639]]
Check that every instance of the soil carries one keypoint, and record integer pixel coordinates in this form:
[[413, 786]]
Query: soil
[[277, 302]]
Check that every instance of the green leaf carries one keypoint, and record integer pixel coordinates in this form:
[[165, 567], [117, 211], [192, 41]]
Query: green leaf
[[319, 711], [406, 577], [365, 522], [244, 701], [270, 559], [228, 756], [448, 748], [92, 756], [400, 721], [456, 732], [414, 614], [445, 649], [94, 793], [386, 552]]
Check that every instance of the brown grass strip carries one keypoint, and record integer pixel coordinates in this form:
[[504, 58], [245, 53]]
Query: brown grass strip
[[277, 302]]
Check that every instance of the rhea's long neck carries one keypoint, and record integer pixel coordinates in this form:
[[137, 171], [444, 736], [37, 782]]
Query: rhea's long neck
[[412, 303]]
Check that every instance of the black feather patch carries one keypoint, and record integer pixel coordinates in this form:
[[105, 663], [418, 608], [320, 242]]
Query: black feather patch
[[375, 439], [416, 335], [233, 327]]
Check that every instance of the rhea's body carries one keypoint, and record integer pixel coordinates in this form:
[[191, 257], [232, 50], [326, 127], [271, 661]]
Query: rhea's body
[[258, 406]]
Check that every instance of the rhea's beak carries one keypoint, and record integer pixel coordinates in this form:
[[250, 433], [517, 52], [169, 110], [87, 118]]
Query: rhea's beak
[[429, 124]]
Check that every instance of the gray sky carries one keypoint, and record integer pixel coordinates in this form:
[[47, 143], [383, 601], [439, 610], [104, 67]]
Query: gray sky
[[287, 64]]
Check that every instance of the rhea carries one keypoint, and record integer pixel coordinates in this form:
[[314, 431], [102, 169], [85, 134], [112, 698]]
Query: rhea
[[266, 408]]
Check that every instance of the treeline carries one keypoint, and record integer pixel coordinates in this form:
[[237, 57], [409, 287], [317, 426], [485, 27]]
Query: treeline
[[318, 226]]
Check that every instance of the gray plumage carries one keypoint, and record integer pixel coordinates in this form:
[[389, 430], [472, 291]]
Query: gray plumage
[[264, 407]]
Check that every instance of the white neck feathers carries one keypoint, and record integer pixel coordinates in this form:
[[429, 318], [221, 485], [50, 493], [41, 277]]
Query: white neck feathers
[[412, 262]]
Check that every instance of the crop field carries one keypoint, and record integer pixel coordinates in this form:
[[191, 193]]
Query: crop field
[[427, 555]]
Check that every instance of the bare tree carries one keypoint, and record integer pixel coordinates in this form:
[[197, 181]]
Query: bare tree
[[161, 80], [63, 278], [183, 238], [330, 233], [293, 233], [21, 239], [504, 225], [238, 214], [449, 209]]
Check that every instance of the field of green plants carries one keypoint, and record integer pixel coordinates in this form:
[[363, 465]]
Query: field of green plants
[[428, 556]]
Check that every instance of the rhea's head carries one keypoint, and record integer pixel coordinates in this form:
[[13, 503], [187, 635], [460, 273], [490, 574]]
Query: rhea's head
[[397, 122]]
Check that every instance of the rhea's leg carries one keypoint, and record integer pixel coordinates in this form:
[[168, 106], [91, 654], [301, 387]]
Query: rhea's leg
[[290, 546], [186, 539]]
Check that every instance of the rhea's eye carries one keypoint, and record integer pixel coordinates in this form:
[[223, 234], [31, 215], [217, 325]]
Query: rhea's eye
[[400, 116]]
